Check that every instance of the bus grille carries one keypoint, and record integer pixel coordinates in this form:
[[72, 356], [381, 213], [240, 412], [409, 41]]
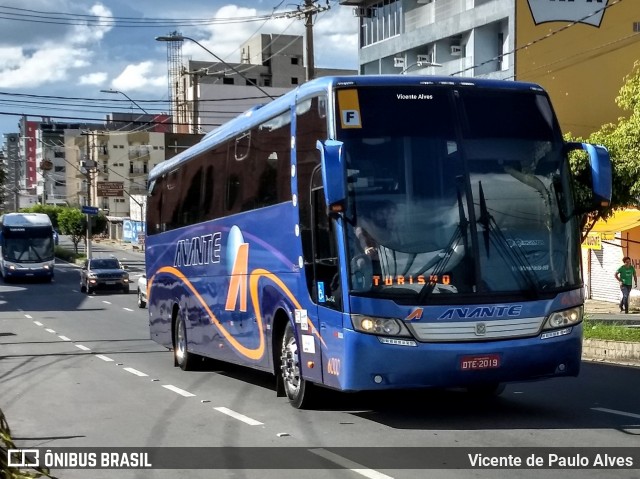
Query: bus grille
[[476, 330]]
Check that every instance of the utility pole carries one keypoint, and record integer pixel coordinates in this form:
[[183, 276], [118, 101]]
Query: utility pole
[[308, 28], [89, 170], [307, 11]]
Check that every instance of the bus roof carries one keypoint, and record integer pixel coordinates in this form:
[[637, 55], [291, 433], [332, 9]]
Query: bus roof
[[25, 219], [261, 113]]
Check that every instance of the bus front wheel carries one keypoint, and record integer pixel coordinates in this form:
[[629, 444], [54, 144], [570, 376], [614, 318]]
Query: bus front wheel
[[297, 389]]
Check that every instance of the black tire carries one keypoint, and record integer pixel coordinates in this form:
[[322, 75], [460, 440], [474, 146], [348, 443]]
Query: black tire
[[141, 302], [125, 290], [83, 288], [182, 357], [298, 390]]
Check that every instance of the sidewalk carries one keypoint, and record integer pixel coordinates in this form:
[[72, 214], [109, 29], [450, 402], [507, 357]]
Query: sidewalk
[[606, 311], [626, 353]]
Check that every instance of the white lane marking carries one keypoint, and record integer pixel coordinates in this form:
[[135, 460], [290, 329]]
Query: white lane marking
[[49, 330], [614, 411], [104, 358], [182, 392], [127, 309], [28, 316], [38, 323], [84, 348], [347, 464], [64, 338], [106, 302], [136, 372], [238, 416]]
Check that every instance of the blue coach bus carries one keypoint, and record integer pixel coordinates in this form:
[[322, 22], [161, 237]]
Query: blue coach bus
[[26, 246], [376, 232]]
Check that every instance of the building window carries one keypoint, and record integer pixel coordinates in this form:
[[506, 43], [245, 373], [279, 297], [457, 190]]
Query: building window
[[383, 20], [227, 81], [294, 80], [266, 82], [294, 60]]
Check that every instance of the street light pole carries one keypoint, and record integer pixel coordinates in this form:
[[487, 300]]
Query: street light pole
[[127, 97], [180, 38]]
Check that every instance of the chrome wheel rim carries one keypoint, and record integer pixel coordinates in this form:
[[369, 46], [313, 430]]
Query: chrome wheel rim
[[291, 366], [181, 342]]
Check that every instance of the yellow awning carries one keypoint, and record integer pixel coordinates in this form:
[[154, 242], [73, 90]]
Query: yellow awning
[[620, 221]]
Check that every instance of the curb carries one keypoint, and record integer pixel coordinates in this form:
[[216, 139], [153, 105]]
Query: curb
[[611, 351]]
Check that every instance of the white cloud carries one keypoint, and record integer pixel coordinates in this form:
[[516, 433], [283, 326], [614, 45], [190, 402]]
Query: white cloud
[[139, 77], [47, 65], [98, 78], [94, 32]]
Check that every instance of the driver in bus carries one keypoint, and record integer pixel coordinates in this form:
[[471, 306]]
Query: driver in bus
[[376, 228]]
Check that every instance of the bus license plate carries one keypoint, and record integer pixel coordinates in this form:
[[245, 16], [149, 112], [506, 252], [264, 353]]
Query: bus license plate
[[483, 361]]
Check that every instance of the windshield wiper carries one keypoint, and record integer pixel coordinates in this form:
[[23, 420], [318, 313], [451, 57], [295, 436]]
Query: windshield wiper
[[440, 262], [513, 254]]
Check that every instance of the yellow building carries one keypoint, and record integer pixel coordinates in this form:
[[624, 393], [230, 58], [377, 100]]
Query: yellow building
[[580, 51]]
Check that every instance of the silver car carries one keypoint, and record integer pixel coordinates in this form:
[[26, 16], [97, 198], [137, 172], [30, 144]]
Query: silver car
[[103, 274], [142, 291]]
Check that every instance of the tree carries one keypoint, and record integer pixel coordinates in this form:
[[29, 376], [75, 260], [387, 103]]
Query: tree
[[72, 222], [623, 142]]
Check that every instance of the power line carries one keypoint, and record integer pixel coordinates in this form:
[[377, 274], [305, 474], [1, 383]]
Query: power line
[[57, 18]]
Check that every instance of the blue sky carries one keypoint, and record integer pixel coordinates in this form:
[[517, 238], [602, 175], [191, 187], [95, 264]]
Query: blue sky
[[54, 48]]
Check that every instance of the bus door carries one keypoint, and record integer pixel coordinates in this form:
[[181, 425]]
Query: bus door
[[325, 288]]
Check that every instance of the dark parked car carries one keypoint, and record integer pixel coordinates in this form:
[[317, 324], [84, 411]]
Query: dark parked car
[[56, 237], [103, 274]]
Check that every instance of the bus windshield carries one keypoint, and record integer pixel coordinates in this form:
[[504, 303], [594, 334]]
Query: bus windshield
[[463, 192], [28, 245]]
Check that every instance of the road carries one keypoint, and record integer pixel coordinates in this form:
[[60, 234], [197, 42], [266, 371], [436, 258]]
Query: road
[[81, 371]]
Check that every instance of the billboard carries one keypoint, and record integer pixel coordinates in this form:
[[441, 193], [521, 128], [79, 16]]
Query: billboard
[[110, 188]]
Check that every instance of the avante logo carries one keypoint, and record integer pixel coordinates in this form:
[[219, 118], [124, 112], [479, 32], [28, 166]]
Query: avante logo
[[482, 312], [415, 314], [581, 11], [198, 250]]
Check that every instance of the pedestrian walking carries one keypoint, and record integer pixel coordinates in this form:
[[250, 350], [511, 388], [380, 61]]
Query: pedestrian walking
[[626, 276]]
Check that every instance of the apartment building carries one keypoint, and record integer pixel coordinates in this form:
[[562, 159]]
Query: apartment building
[[111, 167], [211, 93]]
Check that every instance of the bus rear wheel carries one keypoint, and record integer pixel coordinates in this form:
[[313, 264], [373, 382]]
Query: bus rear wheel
[[297, 389], [182, 357]]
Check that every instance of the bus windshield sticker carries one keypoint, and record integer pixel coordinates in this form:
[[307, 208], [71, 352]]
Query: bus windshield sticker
[[349, 109]]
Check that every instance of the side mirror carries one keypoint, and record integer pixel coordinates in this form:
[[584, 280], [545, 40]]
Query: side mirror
[[334, 174], [600, 172]]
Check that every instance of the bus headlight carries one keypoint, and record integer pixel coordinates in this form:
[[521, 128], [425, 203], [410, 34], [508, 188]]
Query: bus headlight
[[568, 317], [379, 326]]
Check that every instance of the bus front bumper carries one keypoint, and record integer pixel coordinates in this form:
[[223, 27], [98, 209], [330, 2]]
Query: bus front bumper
[[376, 366]]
